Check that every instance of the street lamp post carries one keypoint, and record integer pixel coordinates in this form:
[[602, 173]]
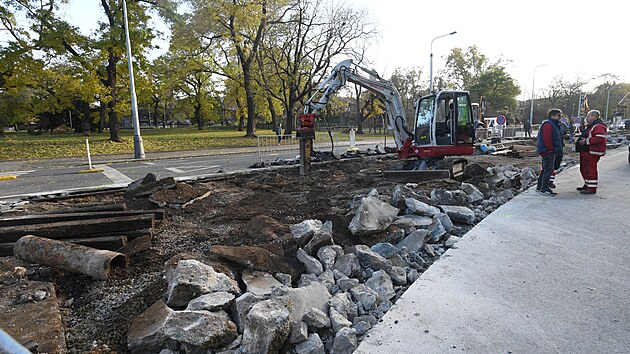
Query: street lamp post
[[137, 139], [431, 61], [531, 110]]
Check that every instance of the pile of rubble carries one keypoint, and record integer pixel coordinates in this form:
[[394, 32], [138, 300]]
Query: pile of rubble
[[341, 294], [302, 291]]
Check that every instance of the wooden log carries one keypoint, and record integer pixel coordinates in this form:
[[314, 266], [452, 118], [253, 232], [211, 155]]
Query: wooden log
[[84, 208], [79, 228], [111, 243], [54, 198], [136, 245], [51, 218], [151, 187], [69, 256]]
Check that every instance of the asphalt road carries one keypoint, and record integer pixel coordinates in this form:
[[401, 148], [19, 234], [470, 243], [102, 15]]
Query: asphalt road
[[53, 176]]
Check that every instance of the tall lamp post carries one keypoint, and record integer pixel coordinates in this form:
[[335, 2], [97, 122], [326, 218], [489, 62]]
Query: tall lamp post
[[531, 109], [431, 61], [138, 149]]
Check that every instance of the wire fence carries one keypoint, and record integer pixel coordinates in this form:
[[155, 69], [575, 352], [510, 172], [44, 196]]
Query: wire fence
[[270, 146]]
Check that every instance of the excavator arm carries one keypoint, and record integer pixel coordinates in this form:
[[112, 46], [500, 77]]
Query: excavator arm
[[345, 72]]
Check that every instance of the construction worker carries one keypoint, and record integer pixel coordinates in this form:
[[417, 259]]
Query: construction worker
[[592, 146], [549, 144]]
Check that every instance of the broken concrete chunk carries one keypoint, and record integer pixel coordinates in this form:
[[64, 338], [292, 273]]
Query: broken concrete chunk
[[414, 241], [459, 214], [345, 341], [419, 208], [316, 318], [260, 283], [337, 320], [303, 231], [190, 279], [313, 345], [328, 255], [267, 327], [349, 265], [372, 215], [211, 302], [147, 332], [200, 329], [381, 283], [311, 263]]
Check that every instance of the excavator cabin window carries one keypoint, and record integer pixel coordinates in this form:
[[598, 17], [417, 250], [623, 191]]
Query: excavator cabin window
[[444, 119]]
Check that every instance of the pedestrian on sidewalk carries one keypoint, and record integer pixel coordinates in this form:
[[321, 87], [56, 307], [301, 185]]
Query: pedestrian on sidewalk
[[527, 128], [279, 133], [549, 144], [592, 146]]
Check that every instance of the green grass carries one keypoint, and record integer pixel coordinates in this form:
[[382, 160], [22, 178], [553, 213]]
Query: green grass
[[20, 145]]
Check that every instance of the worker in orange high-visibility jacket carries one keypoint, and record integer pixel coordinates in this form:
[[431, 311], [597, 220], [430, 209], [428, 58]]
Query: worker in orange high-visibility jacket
[[592, 146]]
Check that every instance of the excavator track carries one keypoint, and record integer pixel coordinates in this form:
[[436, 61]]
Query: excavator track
[[426, 170]]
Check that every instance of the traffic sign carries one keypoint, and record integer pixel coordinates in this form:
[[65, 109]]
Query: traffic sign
[[501, 120], [577, 120], [565, 120]]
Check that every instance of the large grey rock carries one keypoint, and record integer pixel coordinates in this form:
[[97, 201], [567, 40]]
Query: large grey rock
[[345, 341], [372, 215], [328, 255], [417, 207], [444, 197], [370, 259], [146, 334], [304, 231], [313, 345], [241, 306], [303, 299], [414, 241], [349, 265], [365, 296], [445, 220], [398, 275], [211, 302], [337, 320], [316, 318], [322, 237], [412, 222], [436, 232], [201, 329], [159, 328], [190, 279], [267, 327], [385, 249], [505, 196], [260, 283], [473, 193], [346, 284], [381, 283], [459, 214], [311, 263], [342, 303], [328, 279]]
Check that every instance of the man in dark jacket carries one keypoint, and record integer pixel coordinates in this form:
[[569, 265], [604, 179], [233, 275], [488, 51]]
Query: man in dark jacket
[[549, 144]]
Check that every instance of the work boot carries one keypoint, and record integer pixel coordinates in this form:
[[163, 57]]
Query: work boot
[[551, 185], [581, 188], [587, 191]]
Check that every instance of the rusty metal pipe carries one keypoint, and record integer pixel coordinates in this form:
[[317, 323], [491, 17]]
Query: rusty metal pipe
[[69, 256]]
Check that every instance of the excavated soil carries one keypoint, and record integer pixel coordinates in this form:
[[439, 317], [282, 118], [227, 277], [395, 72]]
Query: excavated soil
[[231, 211]]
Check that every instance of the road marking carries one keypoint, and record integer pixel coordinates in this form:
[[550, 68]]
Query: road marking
[[193, 169], [15, 173], [114, 175], [149, 163]]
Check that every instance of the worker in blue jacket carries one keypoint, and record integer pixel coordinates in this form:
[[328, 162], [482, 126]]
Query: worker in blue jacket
[[549, 144]]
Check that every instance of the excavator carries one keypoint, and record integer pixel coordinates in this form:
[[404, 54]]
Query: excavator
[[442, 128]]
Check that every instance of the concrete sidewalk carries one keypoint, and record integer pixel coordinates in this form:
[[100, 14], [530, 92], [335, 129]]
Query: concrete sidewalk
[[541, 274]]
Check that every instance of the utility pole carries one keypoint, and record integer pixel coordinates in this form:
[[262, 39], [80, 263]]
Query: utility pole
[[138, 148], [531, 110]]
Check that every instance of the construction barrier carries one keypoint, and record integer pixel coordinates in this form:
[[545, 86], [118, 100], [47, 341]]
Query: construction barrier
[[269, 146]]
